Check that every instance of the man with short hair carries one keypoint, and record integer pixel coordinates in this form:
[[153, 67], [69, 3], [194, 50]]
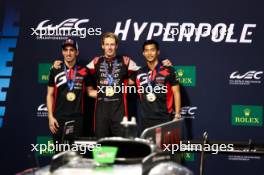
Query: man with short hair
[[110, 70], [157, 87], [65, 94]]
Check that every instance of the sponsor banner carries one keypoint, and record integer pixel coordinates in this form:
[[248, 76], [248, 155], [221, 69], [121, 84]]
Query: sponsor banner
[[43, 72], [246, 78], [186, 75], [247, 115]]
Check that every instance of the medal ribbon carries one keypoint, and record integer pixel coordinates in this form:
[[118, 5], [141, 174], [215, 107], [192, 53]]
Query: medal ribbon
[[70, 83], [151, 80], [110, 77]]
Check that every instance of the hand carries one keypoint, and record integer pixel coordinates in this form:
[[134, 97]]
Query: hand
[[177, 117], [57, 64], [167, 63], [53, 125], [92, 93]]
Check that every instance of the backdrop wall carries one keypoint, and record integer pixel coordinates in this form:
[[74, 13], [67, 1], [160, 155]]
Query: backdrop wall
[[216, 47]]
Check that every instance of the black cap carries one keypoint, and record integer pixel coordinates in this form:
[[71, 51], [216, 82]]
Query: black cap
[[70, 42]]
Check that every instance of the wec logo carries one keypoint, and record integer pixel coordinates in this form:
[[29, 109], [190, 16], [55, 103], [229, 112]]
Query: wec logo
[[42, 111], [42, 107], [69, 27], [189, 111], [248, 75]]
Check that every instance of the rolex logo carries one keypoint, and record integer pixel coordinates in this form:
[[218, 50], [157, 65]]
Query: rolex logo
[[247, 115], [247, 112], [180, 73], [186, 75]]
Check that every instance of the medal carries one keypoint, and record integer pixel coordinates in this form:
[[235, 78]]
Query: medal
[[109, 92], [70, 96], [151, 97]]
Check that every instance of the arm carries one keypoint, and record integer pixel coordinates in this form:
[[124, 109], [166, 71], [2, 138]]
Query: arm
[[131, 82], [132, 68], [57, 64], [177, 100], [175, 87], [167, 63], [53, 124], [90, 81]]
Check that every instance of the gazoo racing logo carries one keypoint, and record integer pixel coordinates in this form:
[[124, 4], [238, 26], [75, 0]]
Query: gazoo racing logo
[[250, 77], [72, 27], [185, 32]]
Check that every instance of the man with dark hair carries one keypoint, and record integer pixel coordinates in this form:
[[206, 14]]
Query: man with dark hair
[[151, 42], [110, 71], [65, 95], [157, 87]]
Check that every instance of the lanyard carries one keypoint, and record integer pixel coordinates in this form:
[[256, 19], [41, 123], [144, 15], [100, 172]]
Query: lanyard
[[154, 72], [70, 83], [110, 77]]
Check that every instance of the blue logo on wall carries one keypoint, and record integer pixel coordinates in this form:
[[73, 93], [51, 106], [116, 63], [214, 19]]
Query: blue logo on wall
[[8, 40]]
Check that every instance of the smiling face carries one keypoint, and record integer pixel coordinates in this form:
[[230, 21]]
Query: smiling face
[[151, 53], [109, 47], [69, 54]]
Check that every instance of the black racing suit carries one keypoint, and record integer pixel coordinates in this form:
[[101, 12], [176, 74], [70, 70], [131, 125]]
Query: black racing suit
[[159, 111], [110, 109]]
